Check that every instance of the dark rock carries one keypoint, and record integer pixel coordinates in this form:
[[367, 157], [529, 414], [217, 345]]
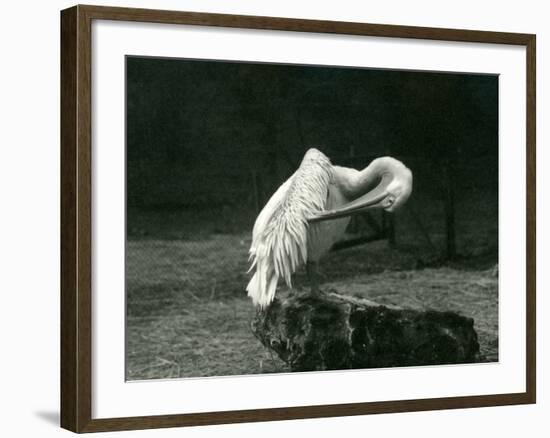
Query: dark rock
[[328, 331]]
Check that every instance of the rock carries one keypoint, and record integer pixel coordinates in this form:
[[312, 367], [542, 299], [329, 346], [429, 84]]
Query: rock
[[329, 331]]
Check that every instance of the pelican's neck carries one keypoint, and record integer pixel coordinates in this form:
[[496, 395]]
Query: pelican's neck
[[354, 183]]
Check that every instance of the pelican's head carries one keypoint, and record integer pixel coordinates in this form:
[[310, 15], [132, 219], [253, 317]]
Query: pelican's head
[[398, 190], [393, 188]]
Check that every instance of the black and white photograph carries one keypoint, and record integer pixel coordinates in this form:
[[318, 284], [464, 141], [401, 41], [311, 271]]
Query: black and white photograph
[[295, 218], [275, 219]]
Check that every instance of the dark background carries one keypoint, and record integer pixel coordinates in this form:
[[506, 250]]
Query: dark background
[[210, 141]]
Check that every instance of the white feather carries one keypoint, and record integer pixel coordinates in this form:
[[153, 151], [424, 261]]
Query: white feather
[[280, 234]]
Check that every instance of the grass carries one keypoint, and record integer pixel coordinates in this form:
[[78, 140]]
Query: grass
[[187, 310], [206, 338], [188, 314]]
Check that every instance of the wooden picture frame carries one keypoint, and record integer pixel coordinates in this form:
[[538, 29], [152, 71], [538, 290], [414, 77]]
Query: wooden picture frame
[[76, 218]]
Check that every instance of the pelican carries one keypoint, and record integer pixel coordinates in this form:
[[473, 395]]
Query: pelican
[[310, 211]]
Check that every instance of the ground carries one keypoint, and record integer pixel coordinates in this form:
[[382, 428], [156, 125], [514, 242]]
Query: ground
[[188, 314]]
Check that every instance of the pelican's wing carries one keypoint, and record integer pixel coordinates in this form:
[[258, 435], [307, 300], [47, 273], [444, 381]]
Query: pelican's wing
[[269, 209], [279, 242], [263, 283]]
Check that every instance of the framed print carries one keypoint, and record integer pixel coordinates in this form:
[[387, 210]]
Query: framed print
[[270, 218]]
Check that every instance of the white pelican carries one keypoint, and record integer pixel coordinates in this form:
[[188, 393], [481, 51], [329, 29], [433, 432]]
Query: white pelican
[[309, 213]]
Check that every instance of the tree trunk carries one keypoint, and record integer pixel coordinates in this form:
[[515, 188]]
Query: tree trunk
[[329, 331]]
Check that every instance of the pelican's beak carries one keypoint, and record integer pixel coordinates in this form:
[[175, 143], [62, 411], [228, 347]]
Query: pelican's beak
[[371, 200]]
